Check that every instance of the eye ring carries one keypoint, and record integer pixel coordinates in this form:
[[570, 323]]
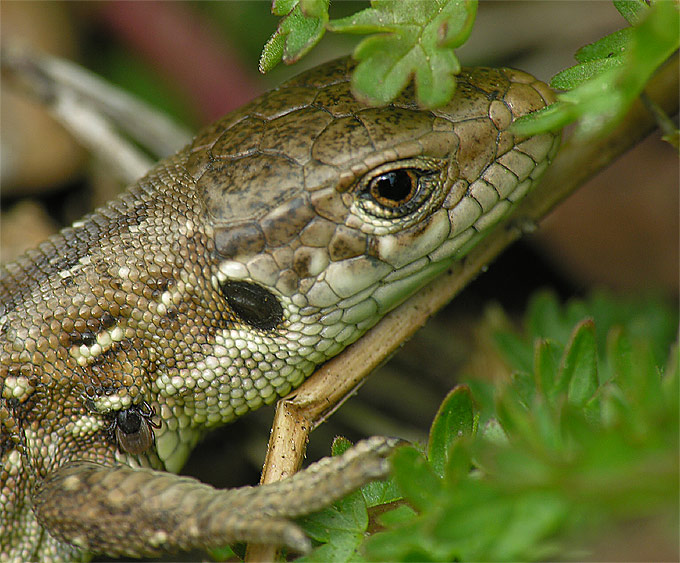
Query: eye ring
[[400, 189]]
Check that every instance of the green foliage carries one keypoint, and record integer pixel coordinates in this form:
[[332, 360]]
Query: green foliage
[[302, 27], [612, 72], [414, 38], [583, 436], [410, 38], [341, 528]]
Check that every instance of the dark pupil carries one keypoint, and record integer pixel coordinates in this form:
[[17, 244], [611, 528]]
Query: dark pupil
[[129, 421], [253, 304], [394, 188]]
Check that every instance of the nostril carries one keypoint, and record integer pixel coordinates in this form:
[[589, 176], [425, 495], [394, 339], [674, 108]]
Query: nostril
[[252, 304]]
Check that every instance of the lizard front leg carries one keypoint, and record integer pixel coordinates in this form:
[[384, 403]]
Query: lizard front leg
[[143, 512]]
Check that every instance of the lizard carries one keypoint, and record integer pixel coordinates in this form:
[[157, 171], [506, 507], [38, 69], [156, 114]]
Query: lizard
[[217, 283]]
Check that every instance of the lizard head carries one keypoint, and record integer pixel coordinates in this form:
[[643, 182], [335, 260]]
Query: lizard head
[[322, 215]]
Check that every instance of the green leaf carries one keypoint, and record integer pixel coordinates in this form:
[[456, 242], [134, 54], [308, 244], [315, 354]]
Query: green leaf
[[282, 8], [376, 492], [417, 481], [577, 75], [454, 419], [546, 362], [380, 492], [341, 528], [399, 544], [416, 39], [296, 33], [612, 45], [400, 515], [315, 8], [633, 10], [546, 319], [619, 352], [340, 445], [348, 515], [471, 521], [524, 387], [458, 464], [578, 371], [494, 433], [532, 518], [514, 416], [601, 102], [222, 554], [514, 351]]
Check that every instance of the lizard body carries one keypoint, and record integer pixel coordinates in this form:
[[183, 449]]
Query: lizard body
[[217, 283]]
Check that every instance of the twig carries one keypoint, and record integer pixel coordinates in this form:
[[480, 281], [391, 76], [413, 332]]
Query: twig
[[92, 110]]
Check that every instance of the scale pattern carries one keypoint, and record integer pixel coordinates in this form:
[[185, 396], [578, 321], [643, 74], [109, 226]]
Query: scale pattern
[[218, 282]]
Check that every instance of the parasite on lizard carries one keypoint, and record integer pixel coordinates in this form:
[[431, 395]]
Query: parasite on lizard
[[217, 283]]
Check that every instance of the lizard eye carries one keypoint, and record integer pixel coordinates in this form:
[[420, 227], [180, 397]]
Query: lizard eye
[[394, 188], [133, 430], [399, 189]]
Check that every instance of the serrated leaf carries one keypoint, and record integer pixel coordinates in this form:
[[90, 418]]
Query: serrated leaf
[[552, 118], [296, 33], [453, 420], [348, 514], [272, 53], [416, 40], [302, 33], [370, 20], [417, 481], [562, 472], [578, 370]]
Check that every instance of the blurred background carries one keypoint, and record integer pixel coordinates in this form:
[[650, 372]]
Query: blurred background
[[198, 60]]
